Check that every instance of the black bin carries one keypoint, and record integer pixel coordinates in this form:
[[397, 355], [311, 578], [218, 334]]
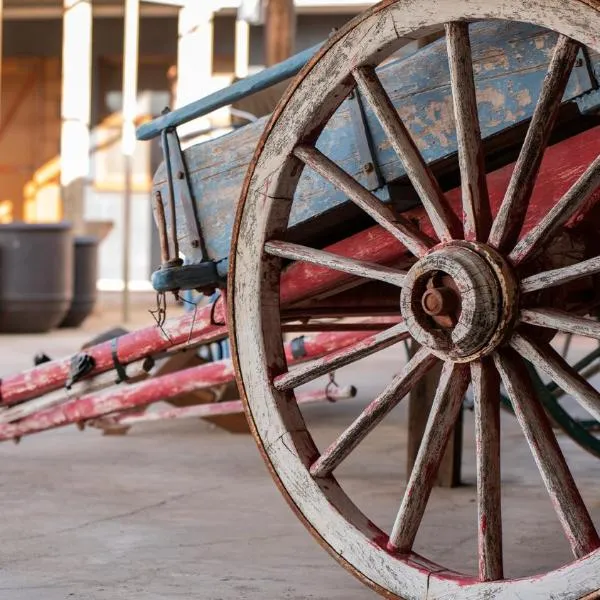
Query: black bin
[[85, 275], [36, 276]]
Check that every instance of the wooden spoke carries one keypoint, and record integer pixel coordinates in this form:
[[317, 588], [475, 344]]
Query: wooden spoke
[[442, 218], [418, 365], [452, 386], [509, 220], [530, 413], [333, 261], [559, 214], [403, 230], [486, 392], [321, 366], [477, 215], [562, 321], [547, 360], [555, 277]]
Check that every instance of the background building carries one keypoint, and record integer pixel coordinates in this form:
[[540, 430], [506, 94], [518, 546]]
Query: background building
[[46, 74]]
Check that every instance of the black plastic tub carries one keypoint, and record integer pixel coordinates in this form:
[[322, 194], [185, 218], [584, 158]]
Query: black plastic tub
[[85, 274], [36, 276]]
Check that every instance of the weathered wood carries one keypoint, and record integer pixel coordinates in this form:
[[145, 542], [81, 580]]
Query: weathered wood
[[562, 321], [420, 90], [136, 372], [444, 221], [398, 226], [509, 220], [369, 344], [555, 472], [337, 452], [337, 263], [477, 215], [574, 200], [547, 279], [486, 395], [548, 361], [125, 397], [444, 412], [214, 409], [420, 401], [264, 212]]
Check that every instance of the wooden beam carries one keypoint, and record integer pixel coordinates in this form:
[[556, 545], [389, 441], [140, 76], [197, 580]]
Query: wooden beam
[[75, 108], [419, 406], [280, 30]]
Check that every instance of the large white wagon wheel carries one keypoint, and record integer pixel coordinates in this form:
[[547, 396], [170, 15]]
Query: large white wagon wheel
[[483, 263]]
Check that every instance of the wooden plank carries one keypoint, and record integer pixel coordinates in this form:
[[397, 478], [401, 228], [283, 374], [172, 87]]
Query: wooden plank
[[477, 216], [508, 222], [371, 416], [486, 396], [548, 361], [574, 202], [548, 279], [444, 221], [562, 321], [330, 362], [403, 230], [568, 504], [445, 410], [420, 401], [337, 263], [519, 59]]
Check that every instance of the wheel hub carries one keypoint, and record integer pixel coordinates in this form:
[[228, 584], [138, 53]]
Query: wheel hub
[[459, 300]]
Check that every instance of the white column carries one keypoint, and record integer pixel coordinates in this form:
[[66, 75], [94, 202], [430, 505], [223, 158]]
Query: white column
[[194, 57], [129, 113], [242, 48], [76, 106]]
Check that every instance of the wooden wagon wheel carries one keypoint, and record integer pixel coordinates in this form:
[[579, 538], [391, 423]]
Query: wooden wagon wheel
[[482, 265]]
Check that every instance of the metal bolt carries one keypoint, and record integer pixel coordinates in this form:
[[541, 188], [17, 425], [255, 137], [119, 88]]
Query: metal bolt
[[180, 175], [369, 167], [439, 301], [433, 302], [195, 243], [579, 62]]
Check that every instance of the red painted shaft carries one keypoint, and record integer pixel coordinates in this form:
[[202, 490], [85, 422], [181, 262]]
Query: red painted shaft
[[130, 347], [121, 398], [124, 397], [213, 409]]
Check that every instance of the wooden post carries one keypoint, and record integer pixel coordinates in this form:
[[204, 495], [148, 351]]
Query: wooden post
[[280, 30], [419, 407], [75, 109], [130, 74]]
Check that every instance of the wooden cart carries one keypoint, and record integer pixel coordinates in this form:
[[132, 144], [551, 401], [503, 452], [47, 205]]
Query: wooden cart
[[448, 196]]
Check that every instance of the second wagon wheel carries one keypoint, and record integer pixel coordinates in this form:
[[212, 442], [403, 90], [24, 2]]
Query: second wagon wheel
[[490, 268]]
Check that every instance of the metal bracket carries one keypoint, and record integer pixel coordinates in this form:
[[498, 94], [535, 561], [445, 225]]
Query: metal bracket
[[200, 273], [198, 276], [179, 189], [364, 142]]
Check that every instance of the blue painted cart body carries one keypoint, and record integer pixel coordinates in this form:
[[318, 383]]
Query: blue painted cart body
[[510, 62]]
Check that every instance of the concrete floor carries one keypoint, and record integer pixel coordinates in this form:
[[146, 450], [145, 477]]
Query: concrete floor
[[184, 510]]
